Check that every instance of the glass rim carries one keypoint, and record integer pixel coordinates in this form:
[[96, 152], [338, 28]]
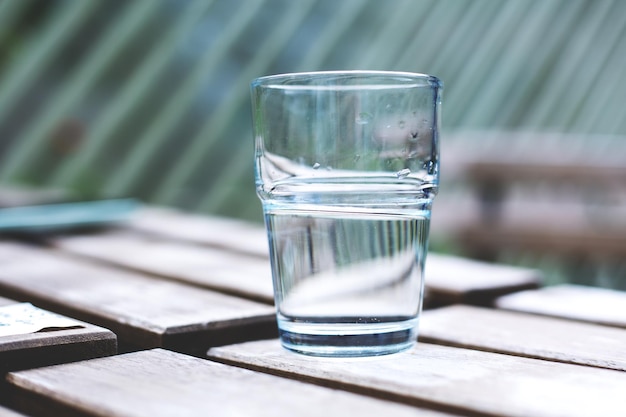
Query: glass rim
[[329, 80]]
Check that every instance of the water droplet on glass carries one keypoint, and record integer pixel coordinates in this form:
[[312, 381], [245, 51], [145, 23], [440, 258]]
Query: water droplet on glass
[[363, 118], [401, 124], [403, 173], [357, 157], [316, 165]]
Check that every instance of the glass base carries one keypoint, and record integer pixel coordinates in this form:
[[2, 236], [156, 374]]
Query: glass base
[[348, 339]]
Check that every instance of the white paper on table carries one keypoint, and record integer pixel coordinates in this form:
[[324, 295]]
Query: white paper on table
[[25, 318]]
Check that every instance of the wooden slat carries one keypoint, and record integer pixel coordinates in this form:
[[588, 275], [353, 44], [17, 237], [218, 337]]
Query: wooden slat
[[86, 341], [448, 279], [6, 301], [525, 335], [143, 311], [544, 236], [53, 347], [5, 412], [524, 149], [450, 379], [576, 302], [9, 252], [22, 196], [587, 220], [227, 233], [58, 346], [502, 169], [214, 268], [161, 383]]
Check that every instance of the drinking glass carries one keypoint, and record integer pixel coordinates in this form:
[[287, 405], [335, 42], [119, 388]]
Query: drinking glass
[[346, 167]]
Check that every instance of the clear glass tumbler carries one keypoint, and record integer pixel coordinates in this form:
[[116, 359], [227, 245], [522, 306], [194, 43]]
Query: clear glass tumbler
[[347, 166]]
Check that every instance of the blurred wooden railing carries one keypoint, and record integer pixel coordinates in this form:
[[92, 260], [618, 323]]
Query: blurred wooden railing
[[538, 196]]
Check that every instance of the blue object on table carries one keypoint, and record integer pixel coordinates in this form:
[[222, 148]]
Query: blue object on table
[[65, 216]]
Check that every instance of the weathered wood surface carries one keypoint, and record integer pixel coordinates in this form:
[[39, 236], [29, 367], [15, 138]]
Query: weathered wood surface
[[53, 347], [525, 335], [450, 379], [60, 346], [235, 235], [215, 268], [143, 311], [534, 166], [161, 383], [9, 252], [448, 279], [6, 301], [5, 412], [39, 348], [576, 302], [27, 341]]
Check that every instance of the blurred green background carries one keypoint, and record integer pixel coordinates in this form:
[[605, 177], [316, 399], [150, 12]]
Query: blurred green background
[[150, 98]]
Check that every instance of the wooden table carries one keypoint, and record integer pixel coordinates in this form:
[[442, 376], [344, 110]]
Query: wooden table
[[231, 256], [142, 310], [189, 299], [31, 337], [57, 342]]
